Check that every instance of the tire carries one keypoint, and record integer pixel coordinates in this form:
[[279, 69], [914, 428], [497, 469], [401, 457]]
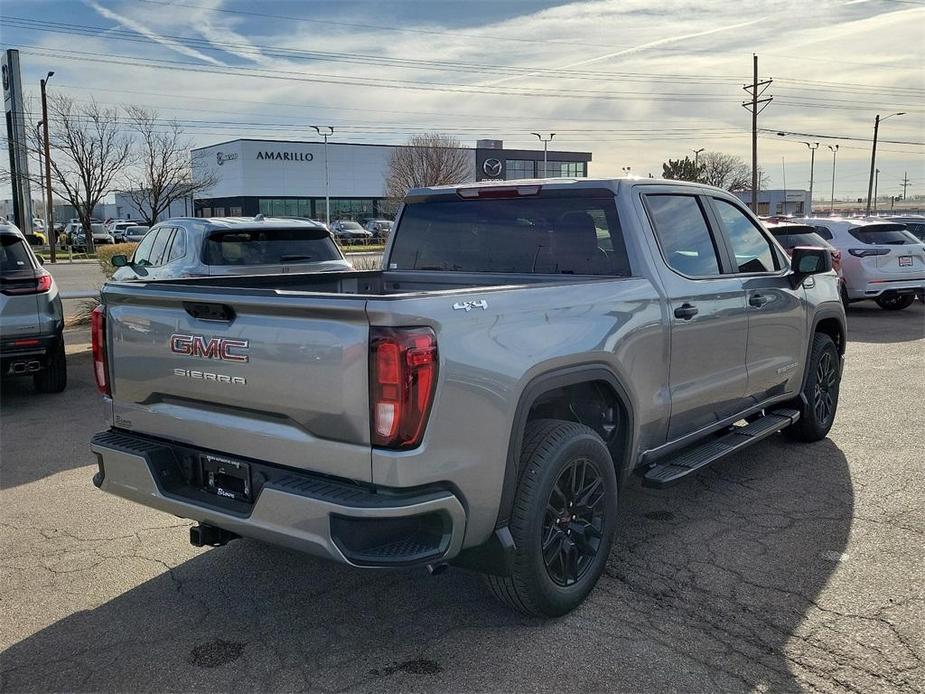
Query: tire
[[53, 379], [896, 302], [555, 455], [817, 407]]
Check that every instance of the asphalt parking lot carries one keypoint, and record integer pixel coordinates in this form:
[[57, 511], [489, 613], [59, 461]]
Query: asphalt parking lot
[[789, 567]]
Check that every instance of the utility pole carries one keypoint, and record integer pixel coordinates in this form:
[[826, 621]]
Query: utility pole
[[327, 132], [876, 187], [834, 154], [905, 183], [545, 142], [813, 146], [49, 204], [873, 155], [756, 89], [783, 170]]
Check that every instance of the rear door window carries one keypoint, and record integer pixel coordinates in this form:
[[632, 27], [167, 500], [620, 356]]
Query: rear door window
[[529, 235], [683, 235], [824, 232], [177, 247], [889, 234], [269, 246]]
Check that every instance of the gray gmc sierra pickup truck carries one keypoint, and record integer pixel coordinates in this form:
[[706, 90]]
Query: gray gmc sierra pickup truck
[[482, 399]]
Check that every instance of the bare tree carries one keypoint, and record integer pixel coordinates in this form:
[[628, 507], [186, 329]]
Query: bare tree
[[727, 171], [163, 171], [429, 159], [89, 152]]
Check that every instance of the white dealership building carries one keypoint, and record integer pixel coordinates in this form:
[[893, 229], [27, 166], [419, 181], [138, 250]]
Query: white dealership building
[[275, 177]]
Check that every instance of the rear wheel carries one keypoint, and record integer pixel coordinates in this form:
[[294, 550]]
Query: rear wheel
[[563, 520], [819, 401], [896, 302], [53, 379]]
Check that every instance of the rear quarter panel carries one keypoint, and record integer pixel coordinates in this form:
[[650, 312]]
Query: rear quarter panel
[[487, 358]]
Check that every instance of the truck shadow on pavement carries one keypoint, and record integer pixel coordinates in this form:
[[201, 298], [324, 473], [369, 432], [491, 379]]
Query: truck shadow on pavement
[[867, 322], [709, 588]]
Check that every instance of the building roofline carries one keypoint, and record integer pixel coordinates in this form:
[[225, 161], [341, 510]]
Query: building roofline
[[370, 144]]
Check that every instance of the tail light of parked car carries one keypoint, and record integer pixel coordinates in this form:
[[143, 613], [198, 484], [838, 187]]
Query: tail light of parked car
[[98, 339], [836, 260], [39, 284], [403, 377]]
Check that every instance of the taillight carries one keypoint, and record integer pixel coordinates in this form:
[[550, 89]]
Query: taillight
[[865, 252], [39, 284], [836, 260], [402, 379], [98, 339]]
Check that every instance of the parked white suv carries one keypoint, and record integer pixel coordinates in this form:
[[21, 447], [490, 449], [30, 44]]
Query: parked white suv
[[880, 260]]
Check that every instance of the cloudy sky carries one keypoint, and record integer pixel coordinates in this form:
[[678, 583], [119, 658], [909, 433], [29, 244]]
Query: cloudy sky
[[632, 81]]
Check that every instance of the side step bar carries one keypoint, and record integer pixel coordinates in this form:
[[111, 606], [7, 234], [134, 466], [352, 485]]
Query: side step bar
[[689, 461]]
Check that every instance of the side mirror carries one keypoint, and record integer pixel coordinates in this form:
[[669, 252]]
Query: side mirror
[[806, 261], [119, 260]]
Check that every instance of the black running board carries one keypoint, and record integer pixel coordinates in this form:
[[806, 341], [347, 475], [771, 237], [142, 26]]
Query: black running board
[[689, 461]]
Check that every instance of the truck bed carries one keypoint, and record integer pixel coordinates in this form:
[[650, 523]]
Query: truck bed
[[375, 283]]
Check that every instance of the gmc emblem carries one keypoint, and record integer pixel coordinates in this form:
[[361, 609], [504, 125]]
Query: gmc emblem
[[213, 348]]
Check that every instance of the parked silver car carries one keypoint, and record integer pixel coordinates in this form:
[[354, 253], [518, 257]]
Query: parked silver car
[[135, 234], [31, 319], [192, 247]]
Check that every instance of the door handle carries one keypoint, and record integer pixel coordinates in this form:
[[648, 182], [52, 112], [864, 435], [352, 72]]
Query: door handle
[[757, 300], [685, 312]]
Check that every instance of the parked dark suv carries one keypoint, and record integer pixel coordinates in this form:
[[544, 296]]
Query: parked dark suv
[[31, 319]]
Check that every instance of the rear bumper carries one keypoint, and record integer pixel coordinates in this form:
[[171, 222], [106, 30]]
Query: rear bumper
[[338, 520], [874, 288], [26, 354]]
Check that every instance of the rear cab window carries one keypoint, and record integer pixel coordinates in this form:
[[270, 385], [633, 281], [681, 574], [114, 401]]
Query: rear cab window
[[553, 234], [269, 246], [889, 234]]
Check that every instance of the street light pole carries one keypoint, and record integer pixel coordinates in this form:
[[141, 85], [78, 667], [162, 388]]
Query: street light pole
[[873, 154], [834, 154], [545, 142], [697, 156], [49, 204], [327, 132]]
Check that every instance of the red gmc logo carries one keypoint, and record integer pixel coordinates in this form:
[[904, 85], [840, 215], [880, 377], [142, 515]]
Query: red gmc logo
[[212, 348]]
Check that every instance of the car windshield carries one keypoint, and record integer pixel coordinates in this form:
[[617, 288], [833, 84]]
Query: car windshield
[[98, 229], [352, 226], [269, 247], [888, 234]]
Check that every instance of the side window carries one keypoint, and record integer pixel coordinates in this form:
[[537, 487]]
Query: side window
[[178, 247], [824, 233], [161, 243], [142, 255], [683, 234], [753, 252]]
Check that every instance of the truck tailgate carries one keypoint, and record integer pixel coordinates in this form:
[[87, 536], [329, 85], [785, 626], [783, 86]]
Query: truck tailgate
[[267, 375]]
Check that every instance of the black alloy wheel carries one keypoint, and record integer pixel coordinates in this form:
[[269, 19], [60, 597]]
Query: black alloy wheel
[[825, 389], [574, 522]]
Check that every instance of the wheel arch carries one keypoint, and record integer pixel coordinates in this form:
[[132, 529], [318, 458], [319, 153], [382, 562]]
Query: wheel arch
[[830, 322], [549, 389]]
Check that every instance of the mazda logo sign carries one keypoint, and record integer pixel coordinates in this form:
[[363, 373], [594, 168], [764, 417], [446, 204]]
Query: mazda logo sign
[[492, 167]]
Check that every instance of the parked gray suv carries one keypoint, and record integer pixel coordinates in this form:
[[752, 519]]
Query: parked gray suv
[[483, 398], [31, 319], [230, 246]]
